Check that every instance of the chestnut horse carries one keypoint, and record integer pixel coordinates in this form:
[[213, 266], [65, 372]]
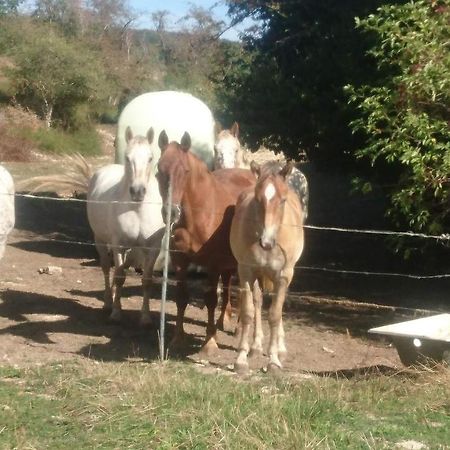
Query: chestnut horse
[[267, 240], [202, 209]]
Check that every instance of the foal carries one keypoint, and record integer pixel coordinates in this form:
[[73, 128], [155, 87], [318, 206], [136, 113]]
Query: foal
[[267, 240]]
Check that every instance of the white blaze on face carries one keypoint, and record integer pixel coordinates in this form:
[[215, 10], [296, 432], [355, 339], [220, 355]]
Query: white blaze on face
[[269, 192]]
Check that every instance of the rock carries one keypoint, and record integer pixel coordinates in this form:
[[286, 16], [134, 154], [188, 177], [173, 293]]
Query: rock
[[51, 270]]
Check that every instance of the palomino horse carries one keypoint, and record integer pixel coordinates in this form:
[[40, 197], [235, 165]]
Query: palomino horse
[[174, 112], [267, 240], [124, 212], [229, 153], [7, 216], [202, 208]]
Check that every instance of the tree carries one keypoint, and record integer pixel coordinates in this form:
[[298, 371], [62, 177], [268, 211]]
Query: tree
[[9, 6], [292, 95], [53, 75], [405, 118]]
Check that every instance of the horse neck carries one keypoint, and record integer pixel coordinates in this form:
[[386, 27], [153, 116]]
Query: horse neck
[[200, 189]]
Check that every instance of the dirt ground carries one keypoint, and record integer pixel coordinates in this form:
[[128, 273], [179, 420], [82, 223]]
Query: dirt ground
[[50, 317]]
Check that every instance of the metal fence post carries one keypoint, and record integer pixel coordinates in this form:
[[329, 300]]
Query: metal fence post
[[166, 248]]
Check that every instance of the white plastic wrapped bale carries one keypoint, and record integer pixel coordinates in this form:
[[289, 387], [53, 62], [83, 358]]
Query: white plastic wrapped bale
[[174, 112], [7, 216]]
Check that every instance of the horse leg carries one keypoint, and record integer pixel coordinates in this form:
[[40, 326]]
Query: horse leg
[[281, 342], [224, 321], [247, 312], [149, 263], [182, 300], [210, 345], [105, 264], [275, 319], [256, 348], [118, 281]]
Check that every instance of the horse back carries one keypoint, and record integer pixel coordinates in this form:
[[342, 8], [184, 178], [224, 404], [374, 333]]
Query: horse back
[[234, 181]]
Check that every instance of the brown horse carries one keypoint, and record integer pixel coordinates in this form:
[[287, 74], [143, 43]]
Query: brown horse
[[267, 240], [202, 209]]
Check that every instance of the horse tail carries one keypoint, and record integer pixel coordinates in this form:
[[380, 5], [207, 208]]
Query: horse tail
[[76, 177]]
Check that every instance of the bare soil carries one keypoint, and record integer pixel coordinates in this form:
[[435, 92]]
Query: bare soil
[[52, 317]]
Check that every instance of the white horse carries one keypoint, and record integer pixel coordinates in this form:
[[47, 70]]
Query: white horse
[[229, 153], [124, 212], [7, 216], [174, 112]]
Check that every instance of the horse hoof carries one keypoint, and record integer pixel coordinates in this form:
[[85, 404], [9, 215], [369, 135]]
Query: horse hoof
[[274, 368], [177, 343], [210, 347], [241, 368], [224, 325], [255, 352]]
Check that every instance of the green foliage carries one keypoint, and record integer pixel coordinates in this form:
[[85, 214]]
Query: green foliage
[[292, 95], [85, 141], [53, 75], [173, 406], [405, 118], [9, 6]]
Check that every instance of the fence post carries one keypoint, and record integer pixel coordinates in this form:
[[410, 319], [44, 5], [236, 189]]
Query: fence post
[[166, 247]]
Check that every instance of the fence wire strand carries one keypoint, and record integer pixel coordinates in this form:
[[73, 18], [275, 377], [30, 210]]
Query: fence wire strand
[[442, 237]]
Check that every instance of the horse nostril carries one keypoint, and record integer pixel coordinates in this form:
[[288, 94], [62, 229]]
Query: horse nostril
[[266, 244]]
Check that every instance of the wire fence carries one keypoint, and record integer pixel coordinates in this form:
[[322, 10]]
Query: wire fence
[[442, 238], [166, 251]]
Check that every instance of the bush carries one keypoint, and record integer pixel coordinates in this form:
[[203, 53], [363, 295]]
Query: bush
[[85, 142], [405, 119]]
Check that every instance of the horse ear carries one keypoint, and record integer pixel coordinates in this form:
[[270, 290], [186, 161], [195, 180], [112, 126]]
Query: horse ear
[[185, 142], [255, 168], [163, 140], [150, 135], [287, 169], [235, 130], [128, 135]]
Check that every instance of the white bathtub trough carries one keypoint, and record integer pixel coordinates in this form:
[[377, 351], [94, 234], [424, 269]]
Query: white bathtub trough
[[420, 340]]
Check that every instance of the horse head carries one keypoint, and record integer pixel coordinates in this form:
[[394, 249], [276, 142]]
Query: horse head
[[227, 148], [138, 163], [271, 191], [173, 168]]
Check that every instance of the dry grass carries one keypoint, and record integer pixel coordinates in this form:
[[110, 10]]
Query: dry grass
[[112, 405]]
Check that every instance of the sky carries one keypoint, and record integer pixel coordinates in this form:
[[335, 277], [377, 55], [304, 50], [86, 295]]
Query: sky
[[178, 8]]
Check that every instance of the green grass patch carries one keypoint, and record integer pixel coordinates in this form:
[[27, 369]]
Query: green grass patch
[[85, 141], [138, 406]]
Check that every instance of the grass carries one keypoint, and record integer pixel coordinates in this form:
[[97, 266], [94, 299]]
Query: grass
[[110, 405], [85, 141]]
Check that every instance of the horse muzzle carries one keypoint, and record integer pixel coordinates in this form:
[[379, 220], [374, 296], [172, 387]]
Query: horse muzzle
[[175, 213], [137, 193], [267, 243]]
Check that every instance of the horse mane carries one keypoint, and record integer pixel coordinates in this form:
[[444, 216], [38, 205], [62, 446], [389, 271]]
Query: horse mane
[[261, 156]]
